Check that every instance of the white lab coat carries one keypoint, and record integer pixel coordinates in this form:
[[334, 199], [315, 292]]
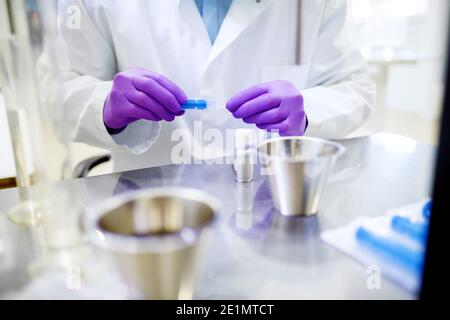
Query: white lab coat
[[255, 44]]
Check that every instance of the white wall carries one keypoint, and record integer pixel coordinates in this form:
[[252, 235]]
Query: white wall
[[418, 88]]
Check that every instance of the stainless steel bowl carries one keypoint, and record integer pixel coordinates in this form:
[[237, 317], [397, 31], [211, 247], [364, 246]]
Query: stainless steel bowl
[[298, 168], [155, 237]]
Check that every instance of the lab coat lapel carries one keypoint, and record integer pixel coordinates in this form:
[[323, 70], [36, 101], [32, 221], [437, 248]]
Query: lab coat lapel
[[190, 14], [240, 15]]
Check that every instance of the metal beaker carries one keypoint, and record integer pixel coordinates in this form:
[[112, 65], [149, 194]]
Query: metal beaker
[[298, 168], [155, 237]]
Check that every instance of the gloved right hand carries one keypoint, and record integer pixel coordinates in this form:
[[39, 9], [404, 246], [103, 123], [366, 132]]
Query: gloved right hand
[[140, 94]]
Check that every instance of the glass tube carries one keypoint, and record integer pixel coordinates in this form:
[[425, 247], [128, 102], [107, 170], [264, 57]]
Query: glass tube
[[21, 99]]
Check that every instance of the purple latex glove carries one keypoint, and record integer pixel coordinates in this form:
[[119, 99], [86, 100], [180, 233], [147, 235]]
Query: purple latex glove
[[140, 94], [271, 106]]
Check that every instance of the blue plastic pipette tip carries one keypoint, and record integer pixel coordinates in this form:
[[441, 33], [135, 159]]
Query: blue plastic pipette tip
[[416, 231], [192, 104], [391, 249]]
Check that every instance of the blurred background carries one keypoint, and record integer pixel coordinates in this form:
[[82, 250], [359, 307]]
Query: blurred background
[[403, 42]]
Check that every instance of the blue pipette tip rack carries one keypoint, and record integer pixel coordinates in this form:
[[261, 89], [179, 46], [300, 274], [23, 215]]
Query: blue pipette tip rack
[[195, 104]]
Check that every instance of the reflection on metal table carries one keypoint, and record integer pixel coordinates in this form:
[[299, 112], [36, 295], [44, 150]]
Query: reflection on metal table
[[255, 253]]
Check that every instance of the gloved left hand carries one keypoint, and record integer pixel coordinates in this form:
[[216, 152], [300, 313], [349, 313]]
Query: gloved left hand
[[271, 106]]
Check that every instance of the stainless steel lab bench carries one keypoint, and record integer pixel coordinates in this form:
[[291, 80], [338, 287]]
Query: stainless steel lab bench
[[259, 254]]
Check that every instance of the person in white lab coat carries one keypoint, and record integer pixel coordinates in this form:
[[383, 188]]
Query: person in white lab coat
[[118, 45]]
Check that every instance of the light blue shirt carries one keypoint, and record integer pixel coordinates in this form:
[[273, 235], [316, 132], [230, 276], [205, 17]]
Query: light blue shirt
[[213, 13]]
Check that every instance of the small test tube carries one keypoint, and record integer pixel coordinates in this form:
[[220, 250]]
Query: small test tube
[[201, 104], [195, 104], [243, 155]]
